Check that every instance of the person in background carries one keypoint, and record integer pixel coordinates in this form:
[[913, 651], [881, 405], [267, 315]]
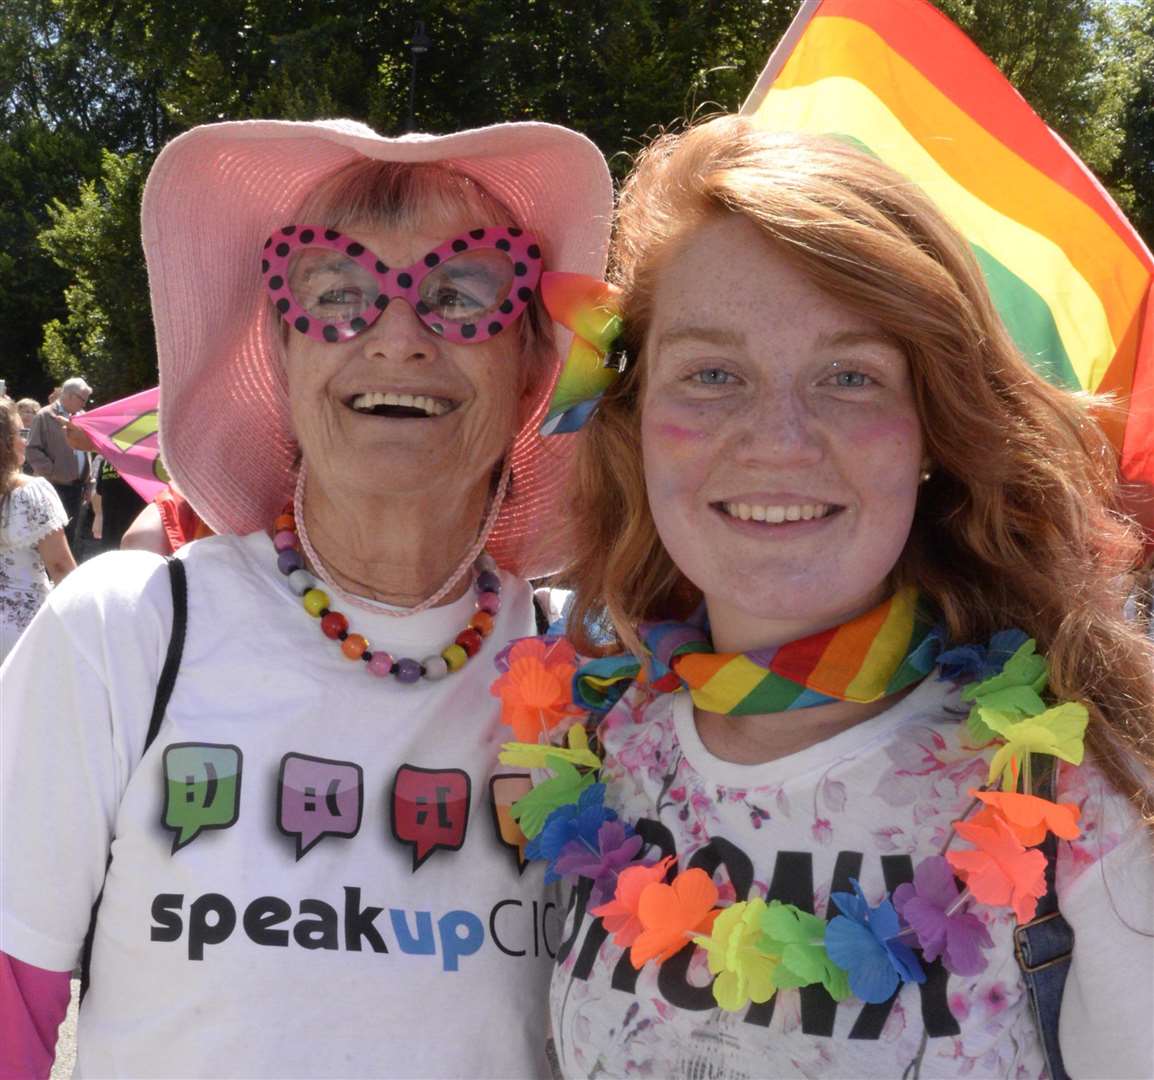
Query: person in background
[[115, 504], [52, 457], [34, 551], [27, 408]]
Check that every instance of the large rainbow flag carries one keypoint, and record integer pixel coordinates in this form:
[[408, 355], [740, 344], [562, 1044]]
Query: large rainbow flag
[[1069, 275]]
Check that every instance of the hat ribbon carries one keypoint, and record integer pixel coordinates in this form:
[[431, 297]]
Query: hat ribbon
[[589, 307]]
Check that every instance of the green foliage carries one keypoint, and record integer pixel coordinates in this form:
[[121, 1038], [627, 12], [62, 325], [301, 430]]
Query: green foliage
[[80, 77], [107, 333]]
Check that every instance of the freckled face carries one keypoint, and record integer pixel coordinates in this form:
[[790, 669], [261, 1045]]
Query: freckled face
[[781, 441]]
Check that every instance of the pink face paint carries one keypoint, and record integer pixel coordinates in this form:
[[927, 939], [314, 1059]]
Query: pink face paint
[[680, 434]]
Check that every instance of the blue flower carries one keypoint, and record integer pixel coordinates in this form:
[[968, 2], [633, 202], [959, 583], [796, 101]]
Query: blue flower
[[973, 663], [580, 822], [863, 941]]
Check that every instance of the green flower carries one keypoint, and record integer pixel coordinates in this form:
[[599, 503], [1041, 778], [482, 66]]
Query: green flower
[[1015, 692], [798, 940]]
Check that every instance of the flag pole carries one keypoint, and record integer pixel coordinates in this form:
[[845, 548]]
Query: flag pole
[[779, 56]]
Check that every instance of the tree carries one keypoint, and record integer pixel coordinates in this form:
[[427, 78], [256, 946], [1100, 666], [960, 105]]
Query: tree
[[81, 76], [107, 334]]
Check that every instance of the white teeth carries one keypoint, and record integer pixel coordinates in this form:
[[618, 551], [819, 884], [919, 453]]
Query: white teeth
[[430, 406], [775, 515]]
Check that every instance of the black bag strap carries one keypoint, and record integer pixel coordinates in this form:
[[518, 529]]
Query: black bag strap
[[167, 680], [179, 584], [1043, 946]]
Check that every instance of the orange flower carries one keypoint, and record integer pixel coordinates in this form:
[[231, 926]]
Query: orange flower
[[1001, 871], [1028, 816], [620, 914], [671, 914], [536, 692]]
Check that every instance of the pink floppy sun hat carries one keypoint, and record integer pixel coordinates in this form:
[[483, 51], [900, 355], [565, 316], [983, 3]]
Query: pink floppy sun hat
[[216, 193]]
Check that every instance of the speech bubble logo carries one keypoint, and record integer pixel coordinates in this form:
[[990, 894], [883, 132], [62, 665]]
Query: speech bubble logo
[[503, 792], [318, 797], [202, 789], [430, 809]]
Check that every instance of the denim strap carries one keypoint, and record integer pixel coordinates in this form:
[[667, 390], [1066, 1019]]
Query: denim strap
[[1043, 947]]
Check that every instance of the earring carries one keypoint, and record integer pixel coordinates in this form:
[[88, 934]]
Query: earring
[[924, 475]]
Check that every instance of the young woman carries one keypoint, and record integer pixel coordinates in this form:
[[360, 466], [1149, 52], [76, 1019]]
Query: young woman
[[34, 550], [826, 463]]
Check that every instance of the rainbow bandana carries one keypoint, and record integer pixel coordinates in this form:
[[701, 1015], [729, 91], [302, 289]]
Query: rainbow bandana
[[870, 657]]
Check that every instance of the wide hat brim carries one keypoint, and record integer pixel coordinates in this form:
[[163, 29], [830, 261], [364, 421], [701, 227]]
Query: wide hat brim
[[214, 195]]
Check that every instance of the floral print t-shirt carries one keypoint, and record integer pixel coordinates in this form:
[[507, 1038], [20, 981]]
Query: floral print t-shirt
[[869, 804], [31, 512]]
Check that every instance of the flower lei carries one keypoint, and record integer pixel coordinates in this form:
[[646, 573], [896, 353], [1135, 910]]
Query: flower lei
[[754, 947]]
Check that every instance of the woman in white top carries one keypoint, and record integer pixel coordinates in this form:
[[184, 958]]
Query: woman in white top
[[34, 551]]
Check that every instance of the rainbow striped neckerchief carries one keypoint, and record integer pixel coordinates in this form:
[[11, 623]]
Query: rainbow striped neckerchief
[[870, 657]]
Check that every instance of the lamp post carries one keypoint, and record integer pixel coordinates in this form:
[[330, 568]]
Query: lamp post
[[419, 44]]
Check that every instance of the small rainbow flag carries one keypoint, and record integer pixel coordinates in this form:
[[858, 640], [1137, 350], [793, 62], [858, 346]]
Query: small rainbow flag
[[1067, 272]]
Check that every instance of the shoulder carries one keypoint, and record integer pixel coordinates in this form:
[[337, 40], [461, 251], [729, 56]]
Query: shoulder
[[36, 511], [1108, 819], [36, 491]]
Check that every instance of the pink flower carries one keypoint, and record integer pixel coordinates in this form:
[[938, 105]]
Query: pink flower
[[822, 830], [994, 998]]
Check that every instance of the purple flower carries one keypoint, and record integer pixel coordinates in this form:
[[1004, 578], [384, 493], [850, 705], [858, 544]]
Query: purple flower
[[930, 906], [863, 941], [617, 846]]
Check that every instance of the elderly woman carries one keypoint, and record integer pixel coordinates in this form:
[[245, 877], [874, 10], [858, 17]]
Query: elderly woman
[[879, 800], [303, 864]]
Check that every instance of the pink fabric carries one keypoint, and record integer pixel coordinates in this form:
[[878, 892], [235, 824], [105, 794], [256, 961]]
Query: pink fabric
[[218, 191], [32, 1004]]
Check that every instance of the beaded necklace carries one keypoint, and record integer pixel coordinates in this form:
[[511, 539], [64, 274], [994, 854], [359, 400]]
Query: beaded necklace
[[756, 947], [287, 539]]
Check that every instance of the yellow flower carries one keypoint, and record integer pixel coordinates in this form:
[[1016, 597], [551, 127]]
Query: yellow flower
[[744, 973], [1058, 731]]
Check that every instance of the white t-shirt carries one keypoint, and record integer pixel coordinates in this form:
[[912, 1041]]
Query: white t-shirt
[[869, 803], [307, 873]]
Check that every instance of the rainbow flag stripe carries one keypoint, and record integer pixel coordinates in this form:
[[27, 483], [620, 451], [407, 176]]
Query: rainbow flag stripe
[[1070, 277], [870, 657]]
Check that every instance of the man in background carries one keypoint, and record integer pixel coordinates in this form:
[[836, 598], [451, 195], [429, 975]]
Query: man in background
[[50, 455]]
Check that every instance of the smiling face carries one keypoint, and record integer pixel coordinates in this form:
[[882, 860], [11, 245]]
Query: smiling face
[[398, 409], [781, 441]]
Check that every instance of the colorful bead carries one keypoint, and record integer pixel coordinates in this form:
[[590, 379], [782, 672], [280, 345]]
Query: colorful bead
[[315, 601], [455, 657], [353, 646], [407, 671], [381, 664], [288, 560], [300, 581], [482, 622], [334, 625], [488, 581], [470, 641]]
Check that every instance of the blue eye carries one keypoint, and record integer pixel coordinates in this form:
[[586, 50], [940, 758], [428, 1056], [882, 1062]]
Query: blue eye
[[712, 376], [851, 378]]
